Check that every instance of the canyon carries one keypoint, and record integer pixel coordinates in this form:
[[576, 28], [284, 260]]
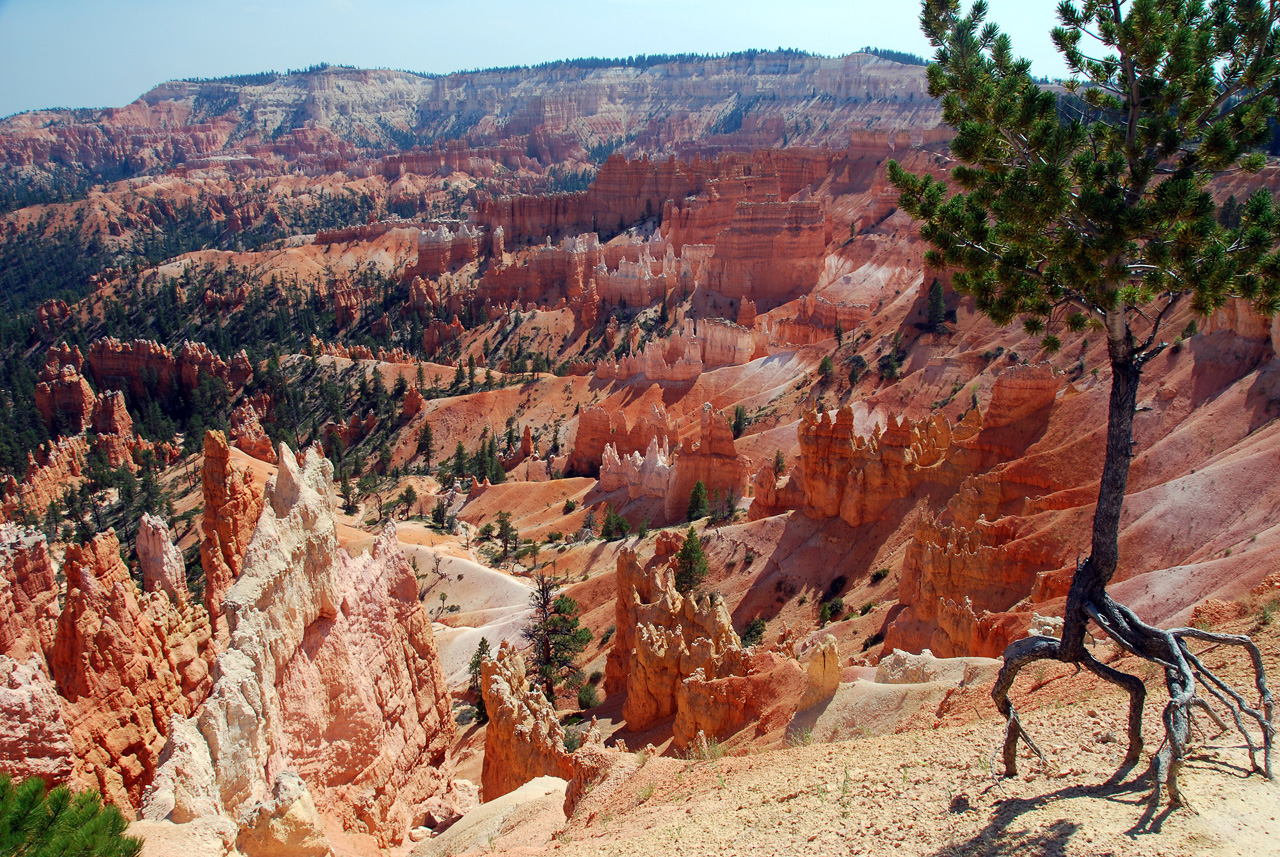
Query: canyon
[[254, 522]]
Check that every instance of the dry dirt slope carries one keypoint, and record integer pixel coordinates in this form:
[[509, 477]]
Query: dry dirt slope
[[930, 792]]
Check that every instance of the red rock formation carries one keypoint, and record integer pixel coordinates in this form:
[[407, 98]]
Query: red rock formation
[[247, 434], [232, 504], [114, 428], [856, 476], [331, 681], [29, 597], [524, 738], [119, 365], [678, 655], [441, 250], [713, 460], [437, 333], [63, 391], [124, 663], [51, 315], [662, 637], [50, 471], [598, 427], [770, 251], [413, 404]]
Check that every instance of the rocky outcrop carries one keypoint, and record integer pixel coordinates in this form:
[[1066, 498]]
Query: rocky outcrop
[[34, 740], [524, 738], [248, 436], [29, 596], [712, 460], [124, 663], [331, 674], [50, 470], [441, 249], [114, 430], [661, 638], [770, 251], [678, 655], [599, 427], [159, 560], [659, 473], [142, 363], [232, 506], [63, 396], [413, 404]]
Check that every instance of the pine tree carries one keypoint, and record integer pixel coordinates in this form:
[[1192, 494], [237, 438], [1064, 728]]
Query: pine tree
[[37, 821], [691, 563], [937, 309], [460, 461], [697, 502], [426, 443], [556, 637], [615, 526], [507, 533], [1106, 218], [473, 671]]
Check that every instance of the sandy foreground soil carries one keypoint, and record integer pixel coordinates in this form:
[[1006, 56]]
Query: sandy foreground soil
[[930, 791]]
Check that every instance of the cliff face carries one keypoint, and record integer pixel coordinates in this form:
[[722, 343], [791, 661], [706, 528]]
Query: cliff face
[[659, 473], [123, 663], [128, 365], [330, 676], [524, 738], [232, 506], [677, 655], [327, 118]]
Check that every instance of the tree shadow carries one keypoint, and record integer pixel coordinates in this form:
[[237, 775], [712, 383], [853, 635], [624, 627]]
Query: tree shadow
[[1001, 836]]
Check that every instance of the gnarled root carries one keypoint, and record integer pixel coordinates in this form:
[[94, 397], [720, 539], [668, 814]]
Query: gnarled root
[[1183, 669]]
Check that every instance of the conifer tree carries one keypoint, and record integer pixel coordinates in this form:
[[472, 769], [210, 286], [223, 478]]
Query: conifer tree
[[936, 311], [555, 636], [40, 822], [481, 655], [426, 443], [698, 507], [691, 563], [1104, 220]]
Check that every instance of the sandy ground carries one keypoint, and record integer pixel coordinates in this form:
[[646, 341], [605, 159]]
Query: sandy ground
[[929, 788]]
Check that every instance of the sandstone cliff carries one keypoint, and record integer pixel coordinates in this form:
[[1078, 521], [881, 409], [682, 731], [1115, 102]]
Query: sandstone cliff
[[331, 675], [678, 655], [232, 506], [123, 662]]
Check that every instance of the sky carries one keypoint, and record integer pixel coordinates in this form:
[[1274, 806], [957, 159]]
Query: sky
[[106, 53]]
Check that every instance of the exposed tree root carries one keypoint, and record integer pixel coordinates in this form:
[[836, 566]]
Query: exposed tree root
[[1183, 669]]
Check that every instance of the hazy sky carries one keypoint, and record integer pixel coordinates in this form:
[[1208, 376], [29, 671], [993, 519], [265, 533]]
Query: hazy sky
[[98, 53]]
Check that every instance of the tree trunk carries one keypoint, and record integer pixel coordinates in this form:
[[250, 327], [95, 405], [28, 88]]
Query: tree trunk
[[1088, 601], [1089, 583]]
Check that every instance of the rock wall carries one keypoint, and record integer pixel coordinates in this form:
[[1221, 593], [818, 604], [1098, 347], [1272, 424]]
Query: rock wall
[[232, 506], [599, 427], [63, 397], [29, 597], [123, 663], [34, 739], [50, 470], [524, 739], [331, 675], [248, 436], [678, 655], [133, 365]]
